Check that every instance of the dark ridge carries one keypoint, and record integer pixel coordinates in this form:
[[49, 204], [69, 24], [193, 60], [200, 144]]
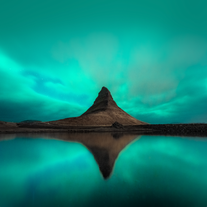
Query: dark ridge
[[30, 121], [102, 102], [103, 95]]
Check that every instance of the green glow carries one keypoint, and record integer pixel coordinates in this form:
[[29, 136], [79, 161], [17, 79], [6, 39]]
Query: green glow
[[26, 162], [151, 56], [163, 170]]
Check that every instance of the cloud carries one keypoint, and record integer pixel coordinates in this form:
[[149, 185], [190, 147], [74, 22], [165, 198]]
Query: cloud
[[19, 100], [157, 80]]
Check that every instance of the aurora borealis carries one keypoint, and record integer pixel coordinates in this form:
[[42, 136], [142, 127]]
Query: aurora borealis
[[151, 171], [56, 55]]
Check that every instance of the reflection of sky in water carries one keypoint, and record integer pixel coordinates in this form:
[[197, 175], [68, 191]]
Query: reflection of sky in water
[[152, 171]]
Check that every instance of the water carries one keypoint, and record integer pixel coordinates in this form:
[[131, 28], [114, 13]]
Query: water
[[102, 170]]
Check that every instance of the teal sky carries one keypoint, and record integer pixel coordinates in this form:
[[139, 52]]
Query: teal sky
[[56, 55]]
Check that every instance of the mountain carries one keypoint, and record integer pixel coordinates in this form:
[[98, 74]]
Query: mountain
[[103, 112]]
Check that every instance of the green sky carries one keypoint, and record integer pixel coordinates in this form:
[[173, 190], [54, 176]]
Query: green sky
[[56, 55]]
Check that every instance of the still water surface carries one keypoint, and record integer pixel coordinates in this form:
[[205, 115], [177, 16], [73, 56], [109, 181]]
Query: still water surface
[[72, 170]]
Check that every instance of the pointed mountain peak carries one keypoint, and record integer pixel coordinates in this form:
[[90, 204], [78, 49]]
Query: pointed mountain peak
[[103, 112], [104, 90], [103, 95], [102, 102]]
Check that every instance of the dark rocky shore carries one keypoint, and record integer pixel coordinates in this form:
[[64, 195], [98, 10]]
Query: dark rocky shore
[[153, 129], [175, 129]]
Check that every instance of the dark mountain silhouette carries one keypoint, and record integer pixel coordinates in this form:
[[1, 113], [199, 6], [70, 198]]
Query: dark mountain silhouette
[[103, 112], [103, 102]]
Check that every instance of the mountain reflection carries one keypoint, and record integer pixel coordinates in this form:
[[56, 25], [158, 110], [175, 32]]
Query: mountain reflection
[[105, 147]]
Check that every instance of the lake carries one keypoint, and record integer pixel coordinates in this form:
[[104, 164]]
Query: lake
[[102, 169]]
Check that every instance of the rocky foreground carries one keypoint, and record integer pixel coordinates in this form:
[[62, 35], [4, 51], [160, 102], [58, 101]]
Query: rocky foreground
[[176, 129], [153, 129]]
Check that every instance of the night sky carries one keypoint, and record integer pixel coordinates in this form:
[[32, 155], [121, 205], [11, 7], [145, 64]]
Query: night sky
[[56, 55]]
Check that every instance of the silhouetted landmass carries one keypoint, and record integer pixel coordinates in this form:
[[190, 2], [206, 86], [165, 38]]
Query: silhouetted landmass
[[103, 112], [30, 121], [153, 129], [194, 129], [104, 116]]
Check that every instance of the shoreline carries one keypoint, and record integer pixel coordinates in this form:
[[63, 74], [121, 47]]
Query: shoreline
[[153, 129]]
